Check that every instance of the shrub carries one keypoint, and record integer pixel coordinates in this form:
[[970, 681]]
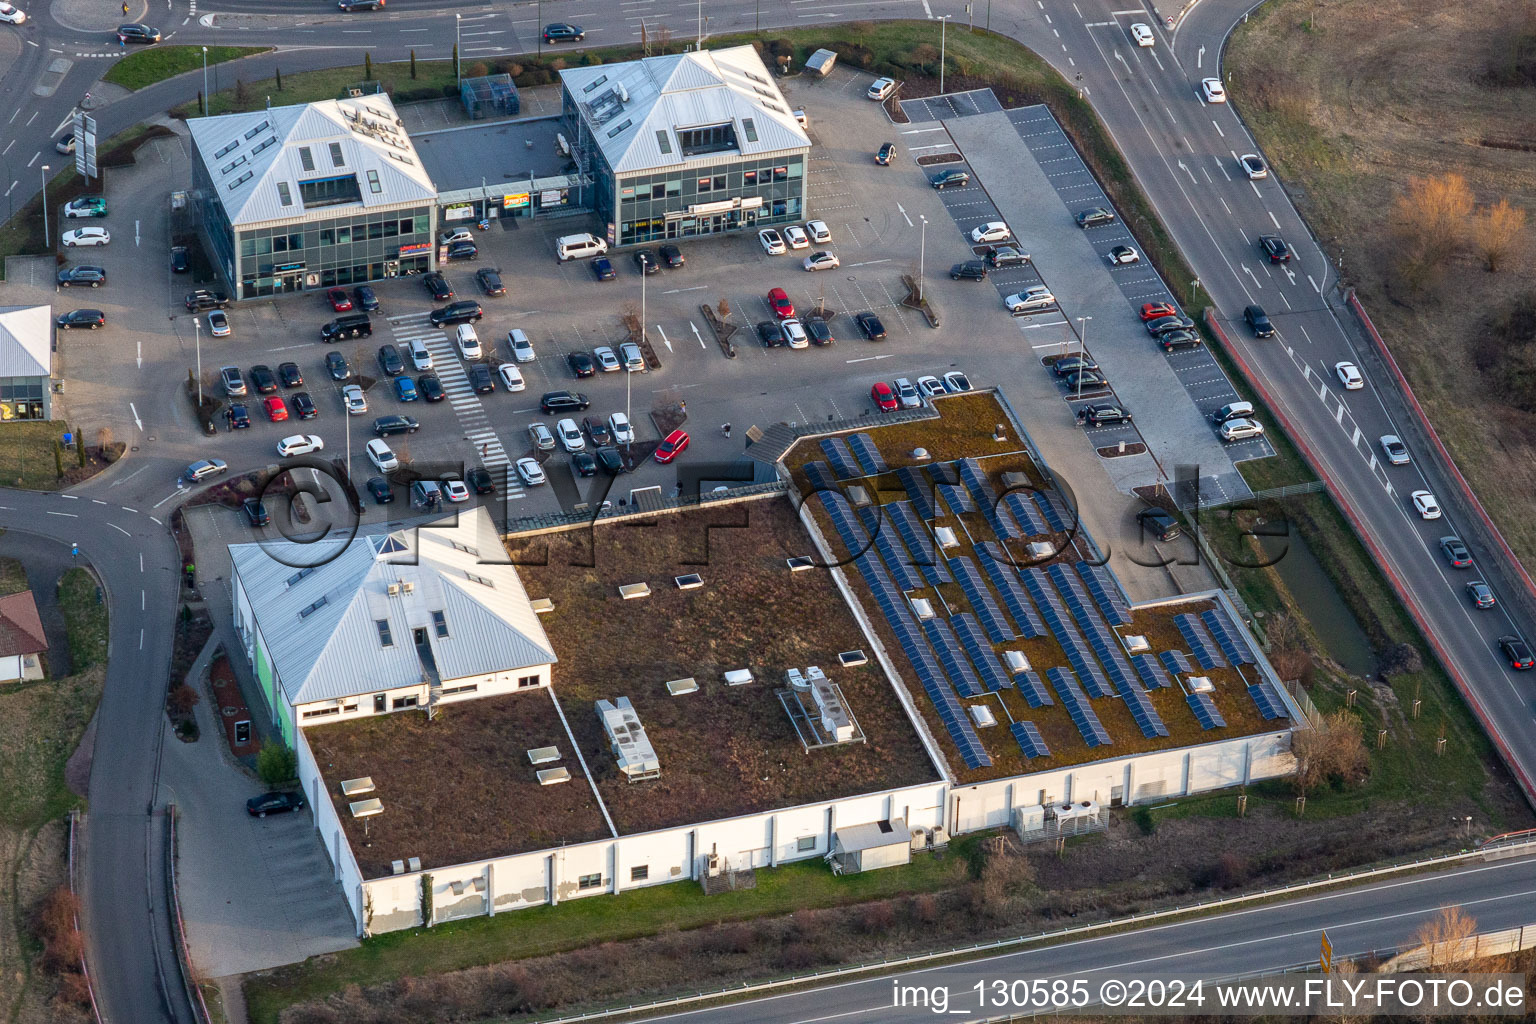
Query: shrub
[[182, 699], [877, 918], [277, 764], [54, 923], [856, 54], [923, 909]]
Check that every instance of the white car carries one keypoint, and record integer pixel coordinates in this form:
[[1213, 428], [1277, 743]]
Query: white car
[[992, 231], [531, 472], [772, 242], [511, 377], [819, 232], [468, 341], [606, 360], [356, 401], [821, 261], [1142, 34], [1397, 452], [421, 356], [796, 237], [1121, 254], [381, 456], [623, 431], [930, 386], [956, 382], [11, 14], [543, 440], [86, 236], [1213, 91], [85, 206], [218, 324], [1426, 505], [571, 437], [522, 348], [906, 393], [880, 88], [455, 490], [1037, 297], [299, 444], [1349, 376], [794, 330], [1253, 165], [1240, 429]]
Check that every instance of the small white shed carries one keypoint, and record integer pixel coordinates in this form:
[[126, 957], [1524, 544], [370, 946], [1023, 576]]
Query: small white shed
[[875, 844]]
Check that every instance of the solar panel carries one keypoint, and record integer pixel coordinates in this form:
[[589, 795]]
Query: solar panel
[[944, 473], [1055, 510], [1177, 662], [1106, 593], [925, 552], [868, 455], [1093, 732], [960, 673], [1205, 711], [1270, 703], [1034, 690], [819, 476], [980, 598], [1147, 719], [1029, 739], [1026, 513], [980, 650], [854, 538], [998, 516], [1200, 642], [1150, 671], [1006, 580], [837, 453], [1231, 641], [893, 554], [918, 490], [1105, 643], [1056, 617], [956, 498]]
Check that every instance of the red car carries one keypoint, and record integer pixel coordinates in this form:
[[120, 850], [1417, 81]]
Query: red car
[[673, 446], [884, 396], [1154, 310], [277, 409], [781, 304], [339, 300]]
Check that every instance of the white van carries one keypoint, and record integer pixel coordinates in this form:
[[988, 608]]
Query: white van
[[579, 247], [469, 341]]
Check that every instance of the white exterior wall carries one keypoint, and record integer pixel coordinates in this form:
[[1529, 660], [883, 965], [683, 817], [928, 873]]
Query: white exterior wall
[[11, 668], [491, 684], [328, 824]]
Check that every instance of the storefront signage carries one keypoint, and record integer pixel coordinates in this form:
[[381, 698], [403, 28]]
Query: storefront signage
[[552, 197], [515, 201], [458, 211], [416, 249]]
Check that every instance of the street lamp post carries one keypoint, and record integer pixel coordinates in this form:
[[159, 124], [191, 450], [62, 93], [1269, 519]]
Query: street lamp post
[[458, 56], [197, 329], [1082, 350], [922, 255], [205, 82], [1194, 291], [943, 25], [44, 172]]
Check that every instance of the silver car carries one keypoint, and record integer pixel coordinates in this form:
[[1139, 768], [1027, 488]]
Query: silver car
[[632, 357], [607, 362], [543, 440]]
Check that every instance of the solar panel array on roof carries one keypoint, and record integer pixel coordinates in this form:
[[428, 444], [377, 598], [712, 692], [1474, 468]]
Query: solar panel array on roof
[[986, 609], [1055, 615], [1232, 643], [1205, 711], [892, 553], [993, 677], [998, 517], [1177, 662], [943, 473], [848, 528], [925, 551], [1029, 739], [943, 640], [1147, 719], [819, 476], [1105, 643], [837, 453], [1106, 593], [868, 455], [1200, 642], [1150, 671], [1270, 704], [1006, 580], [919, 490], [1055, 510], [956, 498], [1093, 732], [1025, 512], [1033, 690]]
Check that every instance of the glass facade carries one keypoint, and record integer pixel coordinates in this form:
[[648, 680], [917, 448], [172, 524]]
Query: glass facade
[[732, 195], [23, 398], [344, 250]]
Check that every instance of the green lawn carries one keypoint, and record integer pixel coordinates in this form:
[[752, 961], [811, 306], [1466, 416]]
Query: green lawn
[[13, 577], [157, 63], [310, 86], [85, 617], [26, 454]]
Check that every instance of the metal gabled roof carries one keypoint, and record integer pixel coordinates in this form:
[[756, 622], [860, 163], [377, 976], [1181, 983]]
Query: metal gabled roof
[[26, 341], [682, 90], [247, 156]]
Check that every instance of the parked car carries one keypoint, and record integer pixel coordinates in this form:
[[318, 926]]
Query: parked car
[[437, 286], [405, 389], [1258, 322], [602, 267], [95, 277], [463, 251], [1032, 298], [673, 445], [275, 408], [570, 435], [671, 255], [263, 379], [181, 263], [490, 281], [1169, 323], [778, 301], [870, 324], [531, 472], [382, 455], [336, 366], [992, 231], [819, 330], [86, 206], [583, 464], [85, 237], [454, 489], [273, 803], [956, 382], [303, 405], [255, 512], [632, 358], [771, 333], [511, 377], [794, 334], [906, 394], [290, 375], [611, 461], [353, 398], [884, 396], [1160, 524], [646, 262], [1071, 364], [455, 313], [202, 470], [1151, 311], [521, 347], [1171, 340], [1240, 429], [880, 88], [1083, 380], [430, 388], [970, 270], [1106, 413], [382, 493], [1001, 256], [340, 301], [364, 298], [581, 364], [1122, 254], [233, 381], [480, 379], [796, 238], [772, 242], [87, 318], [202, 298], [543, 440], [607, 360], [930, 386], [598, 430], [237, 416], [1095, 217], [953, 176]]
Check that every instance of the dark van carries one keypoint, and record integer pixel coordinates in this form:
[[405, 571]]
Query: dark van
[[353, 325]]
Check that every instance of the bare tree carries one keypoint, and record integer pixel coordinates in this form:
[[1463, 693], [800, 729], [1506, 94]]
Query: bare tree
[[1430, 221], [1333, 749], [1449, 940], [1496, 232]]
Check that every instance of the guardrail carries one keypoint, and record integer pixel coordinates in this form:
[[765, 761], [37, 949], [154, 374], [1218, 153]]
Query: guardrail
[[85, 972], [183, 955]]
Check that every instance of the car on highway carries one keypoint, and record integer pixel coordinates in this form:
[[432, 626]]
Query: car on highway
[[437, 286], [203, 469], [1160, 524], [299, 444], [673, 445], [303, 405], [778, 301], [275, 408], [623, 431], [602, 269], [1212, 90], [671, 255], [255, 512], [405, 389], [796, 238], [489, 280], [560, 32], [1274, 247], [1240, 429], [340, 301], [607, 360], [1518, 652], [884, 153], [1425, 505], [1032, 298], [274, 803], [772, 242], [1258, 322], [86, 206], [870, 324], [956, 382], [1397, 452], [218, 323], [819, 330], [348, 6], [233, 381], [1253, 165], [382, 456], [970, 270], [1349, 376], [85, 237], [87, 318], [511, 377], [880, 88], [95, 277], [581, 364], [531, 472], [137, 33], [821, 261], [353, 398], [455, 313], [646, 262], [1481, 594], [563, 401], [1006, 256], [1456, 552], [1094, 217], [953, 176], [991, 231], [1122, 254], [884, 396], [1142, 34]]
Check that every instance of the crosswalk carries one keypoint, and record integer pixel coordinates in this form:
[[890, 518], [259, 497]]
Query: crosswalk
[[473, 418]]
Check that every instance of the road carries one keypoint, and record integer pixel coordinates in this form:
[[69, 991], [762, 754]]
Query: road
[[1264, 939]]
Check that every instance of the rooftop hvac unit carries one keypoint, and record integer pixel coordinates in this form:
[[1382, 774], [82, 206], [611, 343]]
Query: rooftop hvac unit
[[1039, 551], [1017, 661], [919, 838], [712, 865], [354, 93], [1137, 644], [982, 715], [797, 679], [562, 145], [408, 588], [621, 92], [394, 590], [1029, 819], [1200, 684], [814, 674], [835, 720], [946, 537]]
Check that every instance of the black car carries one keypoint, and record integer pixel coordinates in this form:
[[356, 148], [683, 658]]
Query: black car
[[1275, 248], [672, 256], [490, 281], [429, 387], [303, 405], [1159, 524], [93, 276], [480, 379], [563, 401], [180, 264], [390, 361], [883, 157], [204, 299], [1071, 364], [870, 324], [1006, 256], [364, 299], [645, 261], [819, 331], [1105, 413], [597, 429], [463, 251], [455, 313], [387, 425], [137, 33], [611, 461], [1162, 324], [89, 318], [1078, 380], [1517, 651], [581, 364], [771, 333], [379, 488], [336, 366], [1258, 322], [562, 33], [262, 379], [944, 179], [602, 269], [1171, 340], [1095, 217], [348, 6], [583, 464], [291, 375], [255, 512], [437, 285], [481, 480], [272, 803], [970, 270], [237, 416]]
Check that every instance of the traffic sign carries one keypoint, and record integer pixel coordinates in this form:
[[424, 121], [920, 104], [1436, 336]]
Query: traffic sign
[[85, 144], [1325, 958]]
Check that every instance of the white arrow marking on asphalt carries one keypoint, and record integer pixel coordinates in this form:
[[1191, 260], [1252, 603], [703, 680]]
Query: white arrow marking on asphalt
[[865, 359], [69, 515], [139, 357], [135, 234], [676, 291], [903, 211], [696, 334], [1254, 277], [664, 340], [136, 421], [179, 489], [1199, 57], [1189, 172]]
